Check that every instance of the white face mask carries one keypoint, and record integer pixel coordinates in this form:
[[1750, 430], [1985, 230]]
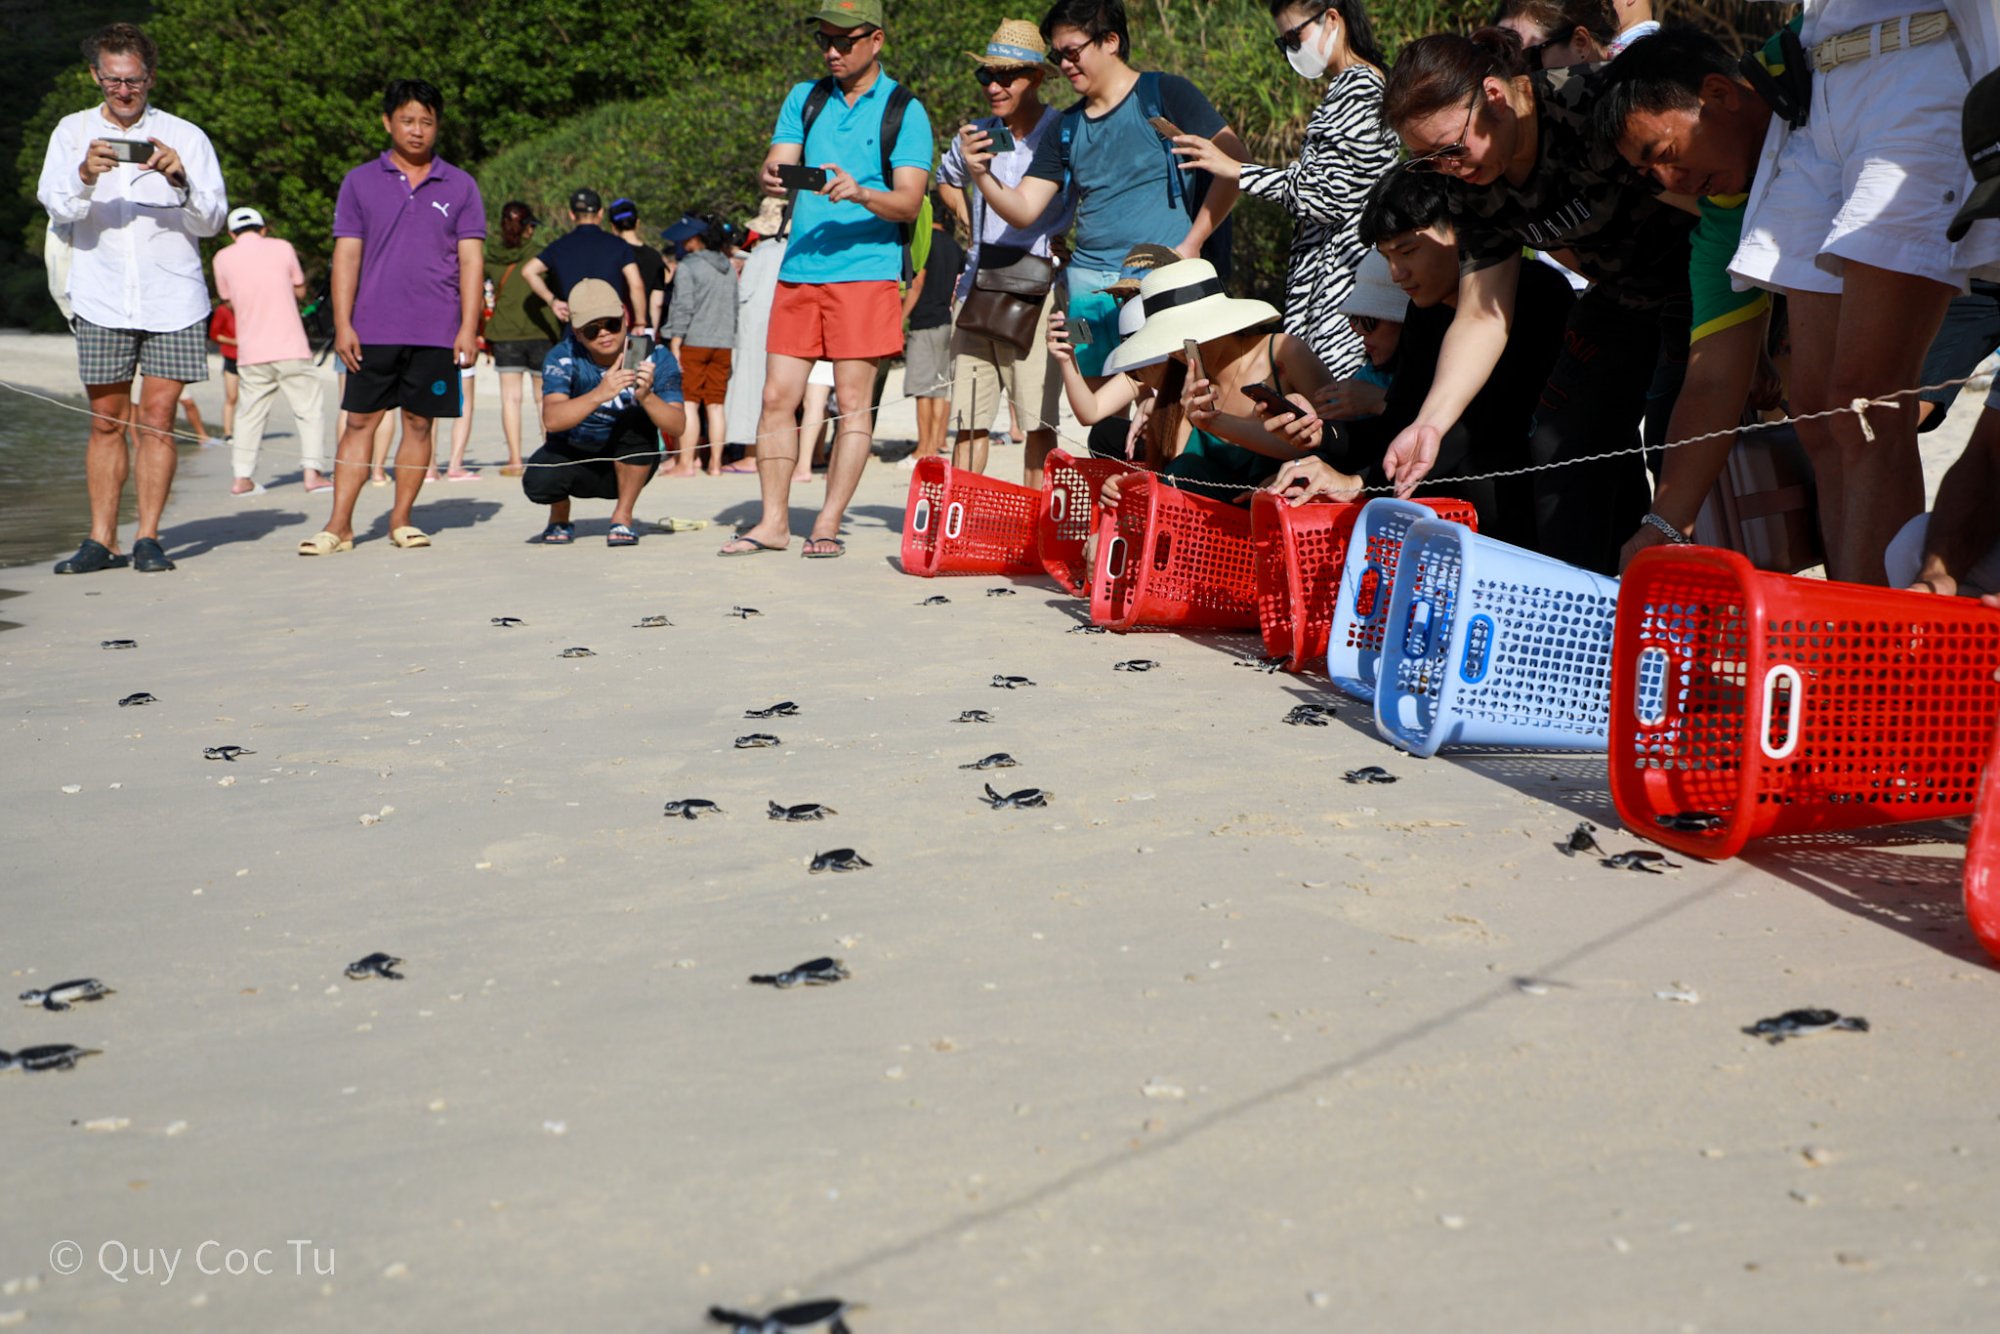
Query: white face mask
[[1309, 61]]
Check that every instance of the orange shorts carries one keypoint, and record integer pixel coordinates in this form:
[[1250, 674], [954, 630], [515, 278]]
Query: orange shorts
[[704, 373], [836, 321]]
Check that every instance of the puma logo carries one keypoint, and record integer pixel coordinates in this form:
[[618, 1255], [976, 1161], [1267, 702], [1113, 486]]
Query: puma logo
[[441, 207]]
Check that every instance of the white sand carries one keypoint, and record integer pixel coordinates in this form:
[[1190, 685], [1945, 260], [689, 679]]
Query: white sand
[[1360, 1122]]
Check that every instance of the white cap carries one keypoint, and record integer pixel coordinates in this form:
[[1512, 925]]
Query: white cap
[[240, 218], [1374, 294]]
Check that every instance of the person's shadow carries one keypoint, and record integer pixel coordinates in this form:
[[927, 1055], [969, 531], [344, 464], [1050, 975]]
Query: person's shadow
[[198, 537]]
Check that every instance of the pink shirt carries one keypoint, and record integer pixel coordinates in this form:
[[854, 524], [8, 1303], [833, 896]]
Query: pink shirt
[[257, 275]]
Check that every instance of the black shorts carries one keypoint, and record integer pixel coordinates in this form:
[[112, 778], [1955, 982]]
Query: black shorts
[[422, 380], [560, 470], [1970, 332], [521, 354]]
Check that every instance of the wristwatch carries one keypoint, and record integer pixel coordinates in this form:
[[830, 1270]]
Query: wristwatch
[[1667, 530]]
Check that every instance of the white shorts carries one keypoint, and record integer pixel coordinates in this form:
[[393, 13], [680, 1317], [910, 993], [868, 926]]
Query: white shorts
[[1874, 176], [821, 374]]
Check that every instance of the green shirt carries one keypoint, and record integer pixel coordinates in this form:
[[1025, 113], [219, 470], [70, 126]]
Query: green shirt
[[1717, 303], [518, 314]]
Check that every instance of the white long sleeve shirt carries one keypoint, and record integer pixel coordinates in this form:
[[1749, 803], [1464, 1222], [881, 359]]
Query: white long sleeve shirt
[[137, 251]]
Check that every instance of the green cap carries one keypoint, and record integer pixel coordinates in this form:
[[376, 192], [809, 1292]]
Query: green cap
[[849, 13]]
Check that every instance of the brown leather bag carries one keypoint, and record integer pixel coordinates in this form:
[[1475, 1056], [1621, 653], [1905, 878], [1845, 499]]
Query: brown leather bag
[[1005, 303], [1765, 504]]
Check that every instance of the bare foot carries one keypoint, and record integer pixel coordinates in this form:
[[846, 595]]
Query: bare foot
[[755, 539], [242, 486], [317, 481]]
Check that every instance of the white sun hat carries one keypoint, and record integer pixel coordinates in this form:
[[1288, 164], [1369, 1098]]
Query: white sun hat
[[1179, 302], [1374, 294]]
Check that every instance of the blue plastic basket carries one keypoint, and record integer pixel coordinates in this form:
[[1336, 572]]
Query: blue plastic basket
[[1490, 645], [1367, 579]]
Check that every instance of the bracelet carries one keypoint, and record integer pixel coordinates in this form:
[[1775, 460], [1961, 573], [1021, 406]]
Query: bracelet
[[1671, 533]]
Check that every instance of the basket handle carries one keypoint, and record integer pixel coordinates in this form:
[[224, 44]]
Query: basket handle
[[954, 518], [1784, 674], [1059, 503], [1114, 558], [1368, 590], [920, 518]]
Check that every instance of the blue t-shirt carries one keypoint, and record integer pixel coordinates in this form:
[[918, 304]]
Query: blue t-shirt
[[845, 243], [568, 370], [1118, 165], [588, 252]]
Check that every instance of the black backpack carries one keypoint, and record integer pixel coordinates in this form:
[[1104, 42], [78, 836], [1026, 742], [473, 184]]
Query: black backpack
[[915, 236]]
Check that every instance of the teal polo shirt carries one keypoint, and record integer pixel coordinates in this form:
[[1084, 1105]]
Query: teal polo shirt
[[845, 243]]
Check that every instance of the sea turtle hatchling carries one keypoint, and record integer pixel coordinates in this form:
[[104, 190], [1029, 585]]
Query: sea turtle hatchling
[[577, 652], [1309, 715], [692, 808], [139, 697], [756, 741], [651, 623], [1009, 682], [829, 1311], [975, 716], [935, 600], [782, 709], [1024, 799], [63, 994], [1805, 1024], [1265, 665], [810, 810], [1691, 822], [820, 972], [118, 643], [1652, 863], [744, 613], [1135, 665], [840, 859], [1086, 630], [228, 753], [508, 622], [52, 1056], [999, 759], [1373, 773], [1001, 592], [1581, 839], [377, 964]]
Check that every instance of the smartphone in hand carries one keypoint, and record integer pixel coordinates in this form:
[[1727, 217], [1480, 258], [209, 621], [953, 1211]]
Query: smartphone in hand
[[1163, 127], [807, 180], [1195, 369], [1276, 405], [131, 150], [638, 350], [1003, 140]]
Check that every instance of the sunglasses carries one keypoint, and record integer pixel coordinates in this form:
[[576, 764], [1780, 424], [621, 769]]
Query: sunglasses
[[842, 42], [1069, 55], [1365, 323], [1536, 56], [1293, 39], [989, 76], [1436, 159], [599, 328]]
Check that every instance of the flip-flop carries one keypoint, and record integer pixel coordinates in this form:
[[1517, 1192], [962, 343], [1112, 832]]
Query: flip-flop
[[621, 536], [839, 548], [408, 537], [325, 544], [755, 548], [512, 471], [557, 535], [740, 468]]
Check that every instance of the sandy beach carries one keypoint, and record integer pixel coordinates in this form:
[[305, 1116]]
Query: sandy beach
[[1214, 1041]]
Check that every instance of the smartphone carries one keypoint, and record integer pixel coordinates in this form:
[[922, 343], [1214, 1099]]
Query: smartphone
[[131, 150], [1003, 140], [1080, 334], [638, 348], [1274, 403], [1163, 127], [810, 180], [1193, 350]]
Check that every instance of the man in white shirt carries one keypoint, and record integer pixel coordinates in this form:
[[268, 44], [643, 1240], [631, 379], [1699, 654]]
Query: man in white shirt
[[138, 189]]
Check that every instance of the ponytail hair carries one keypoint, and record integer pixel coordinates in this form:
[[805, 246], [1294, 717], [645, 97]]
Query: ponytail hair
[[1445, 70], [515, 220]]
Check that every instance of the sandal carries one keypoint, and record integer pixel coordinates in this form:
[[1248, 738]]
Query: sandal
[[839, 548], [408, 538], [753, 549], [325, 544], [621, 536], [91, 557], [557, 535]]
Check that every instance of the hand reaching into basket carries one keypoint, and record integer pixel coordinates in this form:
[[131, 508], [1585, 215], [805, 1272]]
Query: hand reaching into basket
[[1304, 480]]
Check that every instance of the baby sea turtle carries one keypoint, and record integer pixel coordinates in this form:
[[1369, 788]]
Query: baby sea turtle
[[999, 759], [508, 622], [1266, 665], [810, 810], [1581, 840], [692, 808], [756, 741], [1804, 1024], [63, 994], [118, 643], [1086, 630], [578, 652], [935, 600], [1652, 863], [783, 709], [813, 973], [829, 1311], [975, 716], [1373, 773], [1025, 798], [744, 613], [54, 1056], [141, 697], [1309, 715], [225, 753], [1001, 592], [651, 623], [840, 859], [1691, 822], [377, 964], [1009, 682], [1134, 665]]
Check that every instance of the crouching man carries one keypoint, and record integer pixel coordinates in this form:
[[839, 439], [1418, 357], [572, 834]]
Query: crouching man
[[604, 413]]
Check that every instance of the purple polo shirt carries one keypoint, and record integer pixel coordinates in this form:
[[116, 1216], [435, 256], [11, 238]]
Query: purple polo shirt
[[409, 249]]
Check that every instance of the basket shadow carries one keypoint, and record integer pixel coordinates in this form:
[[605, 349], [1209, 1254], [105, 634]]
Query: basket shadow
[[1918, 894]]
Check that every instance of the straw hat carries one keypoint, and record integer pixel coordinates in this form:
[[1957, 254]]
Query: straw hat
[[1183, 301], [770, 217], [1016, 44], [1374, 294]]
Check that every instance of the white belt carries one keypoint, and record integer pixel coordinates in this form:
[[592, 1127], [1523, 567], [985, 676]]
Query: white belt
[[1893, 34]]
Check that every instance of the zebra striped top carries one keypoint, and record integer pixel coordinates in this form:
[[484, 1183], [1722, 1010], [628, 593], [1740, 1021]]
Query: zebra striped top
[[1347, 148]]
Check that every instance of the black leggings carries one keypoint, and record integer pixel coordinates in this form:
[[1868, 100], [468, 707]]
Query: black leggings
[[586, 471], [1617, 366]]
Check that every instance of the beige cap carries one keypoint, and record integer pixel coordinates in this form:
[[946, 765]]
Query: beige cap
[[592, 300]]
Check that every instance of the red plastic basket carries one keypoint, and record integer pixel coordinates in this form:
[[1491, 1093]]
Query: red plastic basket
[[1747, 704], [1299, 555], [958, 522], [1167, 557], [1982, 861], [1069, 515]]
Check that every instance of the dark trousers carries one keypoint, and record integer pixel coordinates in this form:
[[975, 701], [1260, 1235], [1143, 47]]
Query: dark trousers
[[587, 471]]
